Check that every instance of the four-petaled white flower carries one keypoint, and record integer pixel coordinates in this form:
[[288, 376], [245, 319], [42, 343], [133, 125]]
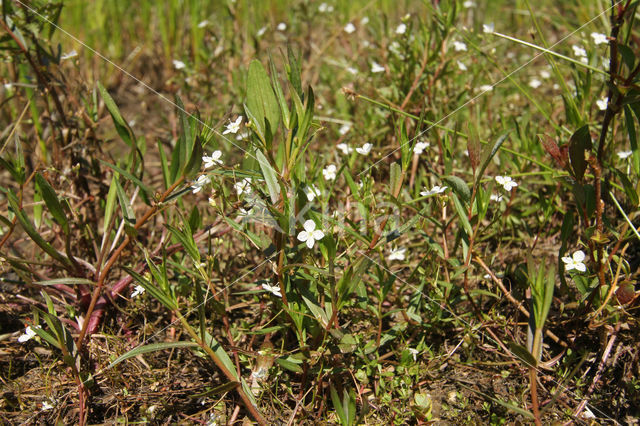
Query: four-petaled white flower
[[46, 406], [200, 183], [507, 183], [325, 8], [376, 67], [545, 74], [575, 262], [178, 64], [484, 88], [261, 31], [137, 291], [401, 29], [233, 126], [69, 55], [581, 53], [459, 46], [420, 147], [364, 149], [468, 4], [624, 154], [397, 254], [273, 289], [349, 28], [488, 28], [281, 26], [601, 104], [435, 190], [364, 20], [312, 192], [461, 66], [496, 197], [310, 234], [213, 160], [345, 148], [344, 129], [599, 38], [535, 83], [352, 70], [329, 172], [28, 334], [414, 353], [244, 186]]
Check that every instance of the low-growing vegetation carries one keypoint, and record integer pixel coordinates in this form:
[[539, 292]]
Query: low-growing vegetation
[[305, 212]]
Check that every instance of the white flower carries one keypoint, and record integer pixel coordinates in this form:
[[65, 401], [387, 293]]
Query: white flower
[[545, 74], [243, 187], [329, 172], [420, 147], [352, 70], [461, 66], [261, 31], [401, 29], [28, 334], [488, 28], [459, 46], [435, 190], [579, 51], [203, 24], [312, 192], [349, 28], [364, 149], [344, 129], [376, 67], [213, 160], [310, 234], [233, 126], [46, 406], [468, 4], [364, 20], [200, 183], [496, 197], [273, 289], [325, 8], [345, 148], [178, 64], [414, 353], [281, 26], [507, 183], [535, 83], [137, 291], [485, 88], [397, 254], [69, 55], [602, 104], [575, 262], [599, 38], [624, 154]]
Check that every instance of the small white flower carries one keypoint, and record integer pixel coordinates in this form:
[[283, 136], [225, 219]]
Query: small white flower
[[281, 26], [312, 192], [397, 254], [459, 46], [243, 187], [352, 70], [488, 28], [468, 4], [420, 147], [329, 172], [535, 83], [485, 88], [213, 160], [364, 20], [261, 31], [203, 24], [435, 190], [137, 291], [349, 28], [599, 38], [28, 334], [579, 51], [325, 8], [575, 262], [545, 74], [376, 67], [233, 126], [601, 104], [496, 197], [178, 64], [200, 183], [401, 29], [461, 66], [414, 353], [46, 406], [310, 234], [345, 148], [273, 289], [69, 55], [344, 129], [364, 149], [507, 183], [624, 154]]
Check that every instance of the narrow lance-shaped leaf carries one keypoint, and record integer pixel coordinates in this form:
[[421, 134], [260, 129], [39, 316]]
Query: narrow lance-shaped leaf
[[489, 154], [579, 143], [53, 204], [261, 101], [270, 176], [122, 127]]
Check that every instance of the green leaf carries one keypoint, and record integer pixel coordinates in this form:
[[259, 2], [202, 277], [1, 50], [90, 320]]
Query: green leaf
[[489, 153], [186, 239], [473, 146], [125, 205], [261, 101], [579, 143], [186, 147], [632, 195], [195, 160], [222, 355], [66, 281], [284, 107], [53, 204], [459, 186], [111, 203], [154, 347], [122, 127], [290, 364], [294, 72], [462, 215], [157, 293], [269, 175], [130, 177], [522, 353]]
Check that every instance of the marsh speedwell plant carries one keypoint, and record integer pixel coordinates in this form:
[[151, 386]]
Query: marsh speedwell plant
[[301, 212]]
